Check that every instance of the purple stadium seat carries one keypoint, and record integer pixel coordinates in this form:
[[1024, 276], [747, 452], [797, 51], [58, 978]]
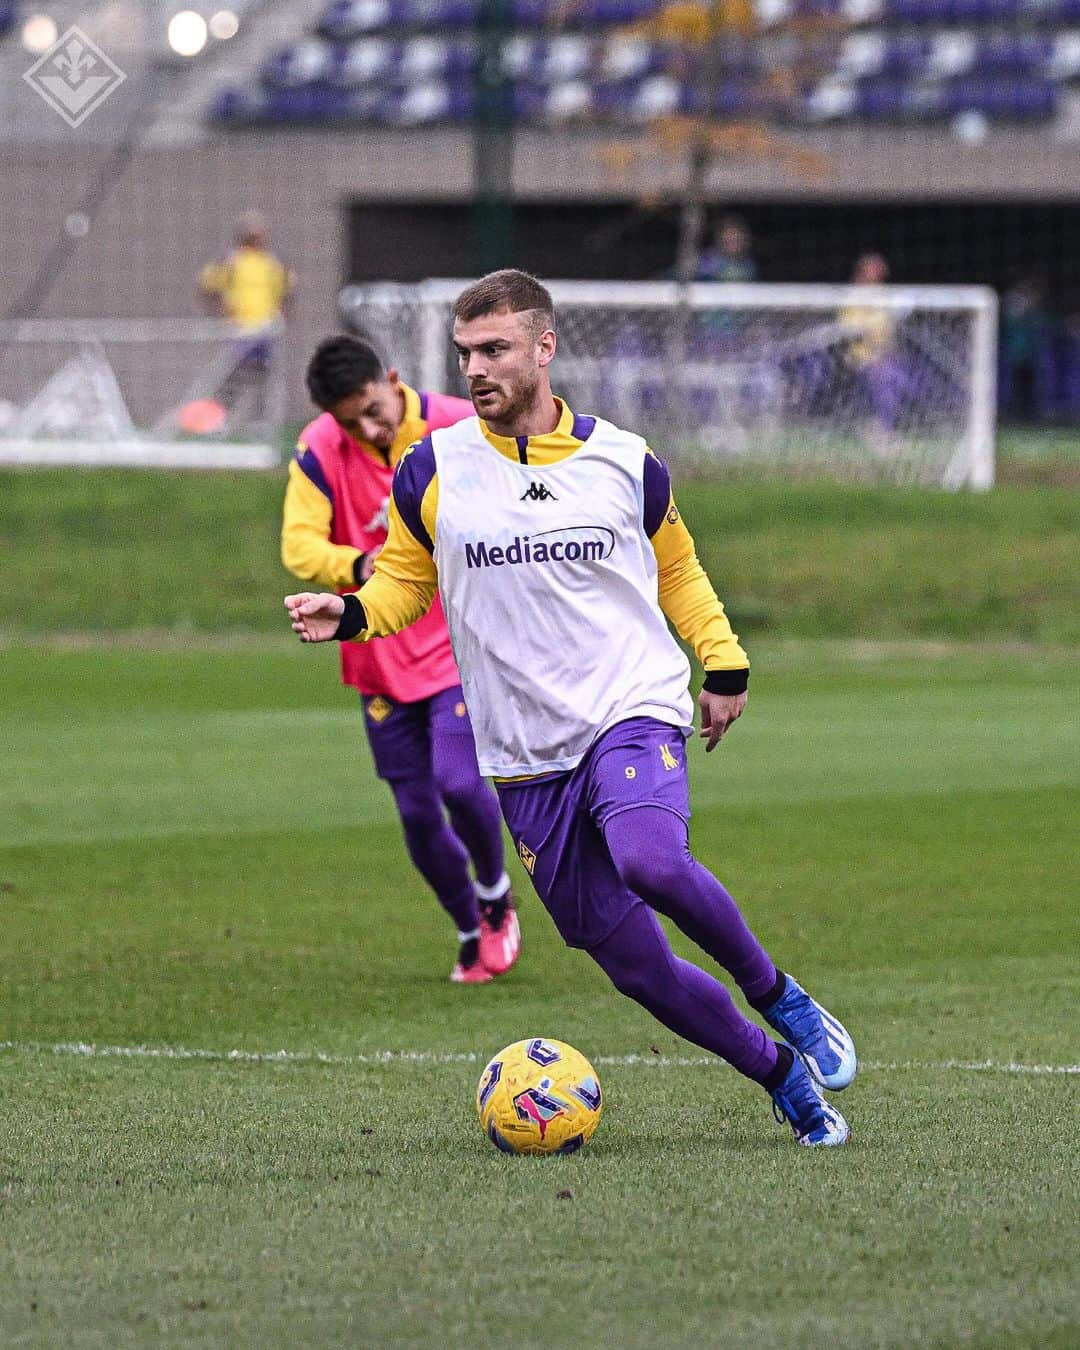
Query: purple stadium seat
[[359, 63], [614, 99], [568, 101], [529, 13], [231, 105], [950, 13], [430, 103], [303, 63], [1063, 61], [625, 58], [618, 11], [575, 14], [830, 101], [302, 106], [950, 53], [529, 100], [741, 56], [346, 19], [1007, 100], [879, 100], [734, 98], [907, 54], [563, 58], [461, 57], [424, 58], [864, 54], [413, 62], [659, 96]]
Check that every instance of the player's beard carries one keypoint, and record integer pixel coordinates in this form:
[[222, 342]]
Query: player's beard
[[515, 401]]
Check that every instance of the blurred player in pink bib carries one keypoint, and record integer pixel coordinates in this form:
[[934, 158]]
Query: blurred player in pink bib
[[335, 523]]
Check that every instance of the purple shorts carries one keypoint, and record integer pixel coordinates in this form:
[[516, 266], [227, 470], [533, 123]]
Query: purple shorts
[[254, 354], [557, 822], [401, 735]]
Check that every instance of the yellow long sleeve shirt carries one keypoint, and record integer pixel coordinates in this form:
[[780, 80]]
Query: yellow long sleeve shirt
[[405, 578]]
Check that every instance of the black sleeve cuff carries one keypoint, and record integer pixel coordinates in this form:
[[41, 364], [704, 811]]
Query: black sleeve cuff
[[353, 621], [726, 681], [358, 567]]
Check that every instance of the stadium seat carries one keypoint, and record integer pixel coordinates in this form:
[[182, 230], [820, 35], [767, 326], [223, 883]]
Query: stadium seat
[[413, 62], [303, 63], [355, 64]]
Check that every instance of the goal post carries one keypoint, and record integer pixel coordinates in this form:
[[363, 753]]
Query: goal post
[[870, 383], [169, 393]]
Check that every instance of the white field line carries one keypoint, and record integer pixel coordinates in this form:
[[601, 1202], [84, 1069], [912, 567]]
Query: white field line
[[87, 1050]]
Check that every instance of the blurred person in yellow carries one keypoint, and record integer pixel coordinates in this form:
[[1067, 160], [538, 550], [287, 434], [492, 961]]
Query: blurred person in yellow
[[251, 288], [871, 355], [696, 22]]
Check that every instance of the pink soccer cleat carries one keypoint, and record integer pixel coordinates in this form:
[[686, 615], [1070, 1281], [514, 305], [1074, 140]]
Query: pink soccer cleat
[[470, 968], [500, 934], [477, 973]]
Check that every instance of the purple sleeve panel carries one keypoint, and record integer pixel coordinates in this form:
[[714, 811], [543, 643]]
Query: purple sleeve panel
[[412, 478], [657, 483], [582, 427], [313, 470]]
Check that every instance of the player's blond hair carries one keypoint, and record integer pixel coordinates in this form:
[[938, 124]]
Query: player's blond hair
[[508, 289]]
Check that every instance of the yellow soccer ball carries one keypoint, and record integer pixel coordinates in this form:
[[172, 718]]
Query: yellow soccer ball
[[539, 1096]]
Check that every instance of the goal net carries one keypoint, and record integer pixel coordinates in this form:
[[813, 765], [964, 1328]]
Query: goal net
[[885, 383], [171, 393]]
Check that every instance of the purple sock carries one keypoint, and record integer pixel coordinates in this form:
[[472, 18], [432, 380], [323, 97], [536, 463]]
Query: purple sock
[[638, 960], [472, 806], [651, 849], [436, 851]]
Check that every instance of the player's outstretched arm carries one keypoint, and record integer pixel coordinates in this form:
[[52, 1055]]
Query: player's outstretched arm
[[315, 618]]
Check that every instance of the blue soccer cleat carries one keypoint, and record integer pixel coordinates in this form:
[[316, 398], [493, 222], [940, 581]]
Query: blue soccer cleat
[[813, 1121], [815, 1035]]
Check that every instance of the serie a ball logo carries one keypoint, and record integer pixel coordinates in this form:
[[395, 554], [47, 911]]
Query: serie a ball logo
[[539, 1096]]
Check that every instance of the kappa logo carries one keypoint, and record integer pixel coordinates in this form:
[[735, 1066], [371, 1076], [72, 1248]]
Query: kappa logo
[[380, 520], [538, 492], [667, 758]]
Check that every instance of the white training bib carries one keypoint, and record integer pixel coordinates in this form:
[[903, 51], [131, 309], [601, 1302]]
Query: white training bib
[[549, 585]]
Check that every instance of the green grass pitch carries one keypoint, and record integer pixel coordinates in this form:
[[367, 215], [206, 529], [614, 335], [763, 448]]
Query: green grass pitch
[[195, 857]]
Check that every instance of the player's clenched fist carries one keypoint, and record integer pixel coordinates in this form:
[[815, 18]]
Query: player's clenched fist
[[315, 617]]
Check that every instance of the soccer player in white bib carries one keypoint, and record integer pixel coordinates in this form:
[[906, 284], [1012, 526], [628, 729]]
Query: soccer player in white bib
[[558, 550]]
